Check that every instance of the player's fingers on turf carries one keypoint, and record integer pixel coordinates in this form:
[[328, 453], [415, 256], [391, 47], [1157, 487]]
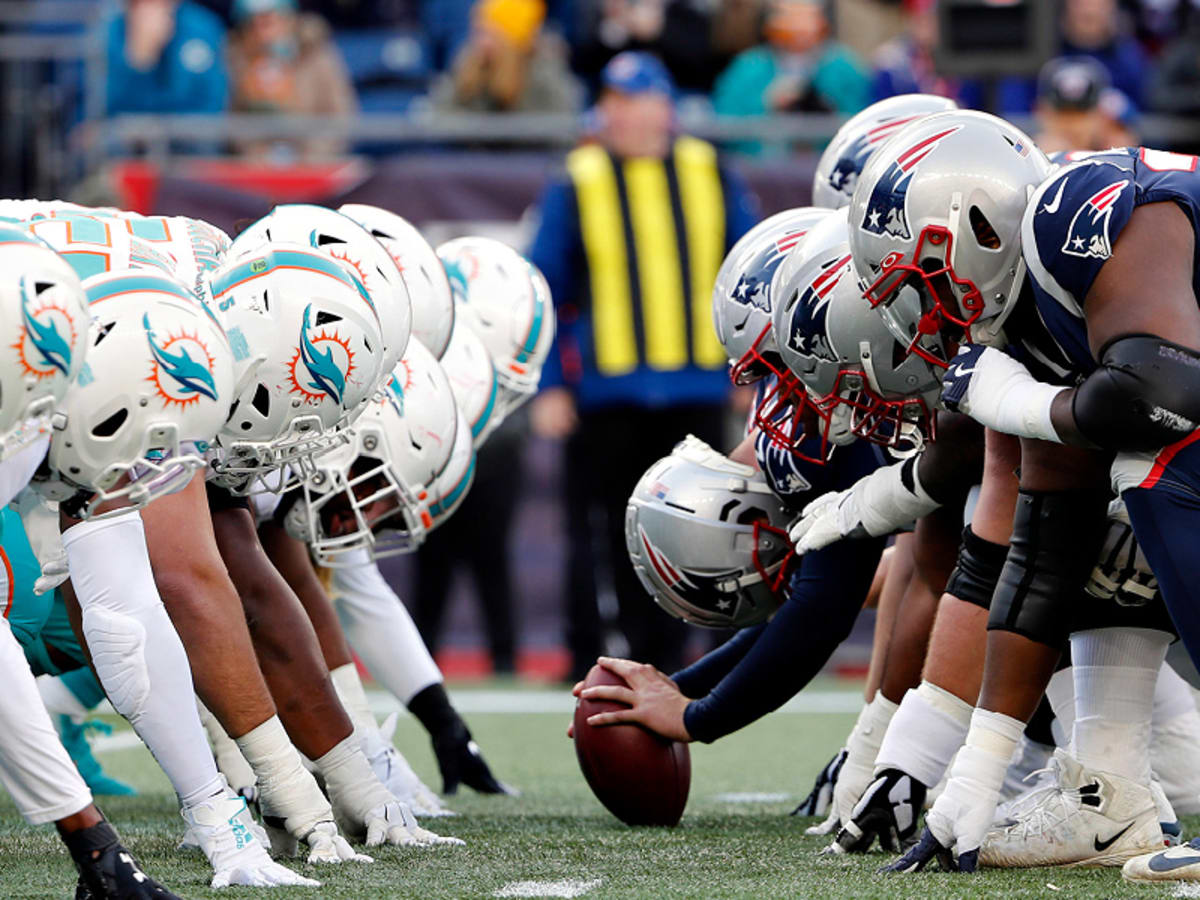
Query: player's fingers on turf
[[616, 692], [616, 717]]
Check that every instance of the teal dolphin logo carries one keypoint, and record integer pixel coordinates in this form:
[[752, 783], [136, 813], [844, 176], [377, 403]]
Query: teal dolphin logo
[[396, 395], [54, 350], [459, 284], [194, 379], [326, 376]]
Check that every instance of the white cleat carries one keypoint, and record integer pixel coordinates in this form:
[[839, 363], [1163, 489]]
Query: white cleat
[[390, 766], [1181, 863], [224, 829], [1090, 818], [1028, 771]]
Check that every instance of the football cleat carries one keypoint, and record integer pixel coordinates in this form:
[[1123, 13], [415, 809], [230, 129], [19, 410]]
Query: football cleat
[[1028, 770], [1090, 818], [887, 811], [820, 799], [1181, 863], [391, 768], [461, 762], [107, 871]]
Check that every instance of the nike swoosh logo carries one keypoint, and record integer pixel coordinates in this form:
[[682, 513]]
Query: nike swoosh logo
[[1052, 207], [1104, 845], [1164, 863], [960, 372]]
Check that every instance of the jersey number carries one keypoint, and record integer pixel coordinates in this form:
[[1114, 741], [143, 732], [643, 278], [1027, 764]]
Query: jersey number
[[1165, 161]]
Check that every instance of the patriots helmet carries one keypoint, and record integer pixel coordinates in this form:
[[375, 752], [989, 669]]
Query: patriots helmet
[[935, 228], [152, 394], [306, 345], [708, 538], [861, 135], [742, 298]]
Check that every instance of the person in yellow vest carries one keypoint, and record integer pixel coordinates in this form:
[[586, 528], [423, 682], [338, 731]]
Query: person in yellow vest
[[630, 240]]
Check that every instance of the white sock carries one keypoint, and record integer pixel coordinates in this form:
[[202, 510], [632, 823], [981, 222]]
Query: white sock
[[1061, 694], [1175, 742], [925, 733], [135, 649], [350, 691], [1116, 670], [858, 771], [348, 777], [58, 699], [381, 631], [228, 755], [285, 787]]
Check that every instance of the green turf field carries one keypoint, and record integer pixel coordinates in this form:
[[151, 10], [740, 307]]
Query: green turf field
[[557, 832]]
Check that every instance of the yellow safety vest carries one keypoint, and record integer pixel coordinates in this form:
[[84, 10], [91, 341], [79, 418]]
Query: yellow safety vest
[[651, 274]]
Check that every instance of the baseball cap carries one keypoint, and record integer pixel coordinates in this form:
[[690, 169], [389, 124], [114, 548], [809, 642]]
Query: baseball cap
[[635, 72], [1073, 82]]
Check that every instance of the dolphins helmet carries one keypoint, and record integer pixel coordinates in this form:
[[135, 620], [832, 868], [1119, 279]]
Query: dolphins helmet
[[708, 539], [340, 237], [428, 287], [305, 342], [384, 475], [472, 376], [495, 287], [861, 135], [94, 244], [935, 227], [850, 370], [45, 336], [151, 396], [451, 486], [742, 298]]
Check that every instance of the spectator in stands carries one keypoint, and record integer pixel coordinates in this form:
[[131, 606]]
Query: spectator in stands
[[799, 69], [676, 31], [282, 61], [509, 64], [1175, 85], [1093, 28], [904, 65], [630, 240], [166, 56], [1068, 110]]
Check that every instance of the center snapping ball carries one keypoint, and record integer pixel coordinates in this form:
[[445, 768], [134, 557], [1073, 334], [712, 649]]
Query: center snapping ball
[[639, 776]]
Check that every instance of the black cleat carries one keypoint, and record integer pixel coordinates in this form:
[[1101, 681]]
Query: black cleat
[[887, 811], [107, 871], [461, 762], [820, 798], [928, 850]]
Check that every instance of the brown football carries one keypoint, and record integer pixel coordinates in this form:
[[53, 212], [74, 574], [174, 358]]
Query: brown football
[[640, 777]]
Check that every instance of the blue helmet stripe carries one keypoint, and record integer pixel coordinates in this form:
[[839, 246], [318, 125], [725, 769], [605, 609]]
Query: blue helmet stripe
[[288, 259], [127, 284], [478, 425], [442, 506]]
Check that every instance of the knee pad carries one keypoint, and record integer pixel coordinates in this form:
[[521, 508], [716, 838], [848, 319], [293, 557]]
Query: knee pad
[[118, 646], [978, 569], [1056, 537]]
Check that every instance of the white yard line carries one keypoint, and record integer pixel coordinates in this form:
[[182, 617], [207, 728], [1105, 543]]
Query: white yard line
[[750, 797], [570, 887]]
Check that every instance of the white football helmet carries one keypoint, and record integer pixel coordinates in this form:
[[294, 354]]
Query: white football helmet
[[44, 337], [495, 286], [742, 298], [381, 481], [708, 539], [469, 367], [861, 135], [935, 227], [152, 395], [95, 244], [428, 287], [306, 345], [450, 487], [340, 237]]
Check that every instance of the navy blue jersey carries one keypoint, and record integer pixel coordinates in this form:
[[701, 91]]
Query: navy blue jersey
[[1071, 224]]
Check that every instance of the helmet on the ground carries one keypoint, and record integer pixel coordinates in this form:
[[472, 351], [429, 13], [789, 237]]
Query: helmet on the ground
[[153, 393], [935, 227], [861, 135], [708, 539], [428, 286]]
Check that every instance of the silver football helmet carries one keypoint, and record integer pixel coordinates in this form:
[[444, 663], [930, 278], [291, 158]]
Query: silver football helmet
[[708, 539], [935, 227], [742, 299], [862, 134], [852, 373]]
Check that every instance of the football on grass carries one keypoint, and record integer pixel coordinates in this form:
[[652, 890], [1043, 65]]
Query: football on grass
[[640, 777]]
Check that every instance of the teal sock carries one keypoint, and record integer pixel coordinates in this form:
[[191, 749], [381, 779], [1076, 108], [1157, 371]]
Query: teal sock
[[82, 682]]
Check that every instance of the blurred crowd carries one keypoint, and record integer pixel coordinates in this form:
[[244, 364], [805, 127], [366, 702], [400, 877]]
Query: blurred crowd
[[1116, 58]]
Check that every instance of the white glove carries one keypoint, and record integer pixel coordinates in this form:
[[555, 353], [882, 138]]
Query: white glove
[[40, 518], [393, 823], [327, 846], [397, 775], [881, 503], [997, 391]]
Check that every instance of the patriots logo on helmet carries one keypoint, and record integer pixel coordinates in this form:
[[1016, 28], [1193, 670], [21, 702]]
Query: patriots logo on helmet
[[754, 287], [45, 346], [850, 162], [180, 378], [322, 358], [1087, 237], [701, 591], [886, 213], [806, 328]]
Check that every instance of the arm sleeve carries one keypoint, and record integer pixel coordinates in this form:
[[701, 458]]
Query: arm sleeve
[[825, 598], [705, 673], [555, 250]]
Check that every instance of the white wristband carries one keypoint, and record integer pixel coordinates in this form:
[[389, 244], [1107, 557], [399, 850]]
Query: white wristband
[[1006, 398], [886, 503]]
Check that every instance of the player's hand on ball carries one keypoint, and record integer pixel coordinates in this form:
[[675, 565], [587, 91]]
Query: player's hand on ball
[[653, 699], [327, 846]]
